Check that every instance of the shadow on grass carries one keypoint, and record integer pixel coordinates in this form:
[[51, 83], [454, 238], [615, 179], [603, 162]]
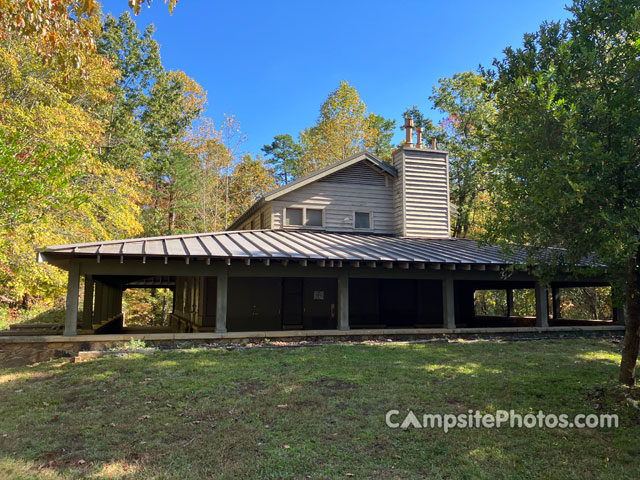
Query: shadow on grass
[[274, 413]]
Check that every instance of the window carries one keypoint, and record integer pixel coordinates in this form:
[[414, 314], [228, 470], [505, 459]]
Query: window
[[262, 222], [253, 224], [293, 216], [313, 217], [362, 220]]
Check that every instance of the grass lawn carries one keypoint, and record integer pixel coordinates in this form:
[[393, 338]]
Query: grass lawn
[[317, 412]]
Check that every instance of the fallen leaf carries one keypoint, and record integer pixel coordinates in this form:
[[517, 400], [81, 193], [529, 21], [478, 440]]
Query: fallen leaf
[[144, 417], [81, 462], [19, 391], [287, 446], [284, 405]]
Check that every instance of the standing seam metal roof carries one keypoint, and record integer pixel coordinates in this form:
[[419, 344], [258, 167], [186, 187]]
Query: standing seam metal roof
[[297, 244]]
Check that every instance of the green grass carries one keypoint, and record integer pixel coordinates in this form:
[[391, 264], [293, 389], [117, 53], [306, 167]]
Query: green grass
[[39, 313], [316, 412]]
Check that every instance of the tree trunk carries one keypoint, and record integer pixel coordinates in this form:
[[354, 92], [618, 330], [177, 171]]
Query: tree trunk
[[632, 330]]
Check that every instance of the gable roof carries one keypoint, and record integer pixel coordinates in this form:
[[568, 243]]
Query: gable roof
[[364, 155]]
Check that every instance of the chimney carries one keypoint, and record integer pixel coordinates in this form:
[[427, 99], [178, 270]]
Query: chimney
[[434, 144], [421, 191], [408, 125], [419, 137]]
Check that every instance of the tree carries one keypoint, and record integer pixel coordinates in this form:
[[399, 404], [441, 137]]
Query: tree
[[344, 128], [464, 100], [284, 155], [54, 189], [151, 112], [379, 141], [565, 149], [136, 56], [250, 180]]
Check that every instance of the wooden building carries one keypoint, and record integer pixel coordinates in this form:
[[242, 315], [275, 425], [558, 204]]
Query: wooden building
[[359, 244]]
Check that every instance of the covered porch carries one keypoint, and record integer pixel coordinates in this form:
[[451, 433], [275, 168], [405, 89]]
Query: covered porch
[[279, 281]]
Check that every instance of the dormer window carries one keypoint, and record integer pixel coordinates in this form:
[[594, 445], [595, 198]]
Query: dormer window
[[293, 217], [362, 220], [307, 217], [313, 217]]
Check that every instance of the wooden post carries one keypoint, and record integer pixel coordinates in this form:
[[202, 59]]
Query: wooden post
[[542, 305], [555, 302], [106, 302], [87, 305], [619, 314], [448, 303], [73, 291], [116, 301], [221, 302], [509, 302], [343, 300], [97, 309]]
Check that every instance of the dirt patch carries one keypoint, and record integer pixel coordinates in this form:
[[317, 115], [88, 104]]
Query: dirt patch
[[248, 387], [332, 385]]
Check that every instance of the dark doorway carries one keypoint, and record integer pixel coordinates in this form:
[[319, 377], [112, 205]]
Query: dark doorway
[[292, 303], [395, 303]]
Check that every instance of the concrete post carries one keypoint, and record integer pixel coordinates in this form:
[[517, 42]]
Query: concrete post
[[87, 305], [343, 300], [448, 303], [73, 291], [221, 302], [542, 305], [555, 302], [509, 302]]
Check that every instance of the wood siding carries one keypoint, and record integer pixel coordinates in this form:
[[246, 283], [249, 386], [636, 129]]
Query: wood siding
[[421, 194], [356, 188], [264, 213]]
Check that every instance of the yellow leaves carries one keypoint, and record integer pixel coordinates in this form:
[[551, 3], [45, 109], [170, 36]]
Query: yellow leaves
[[343, 129]]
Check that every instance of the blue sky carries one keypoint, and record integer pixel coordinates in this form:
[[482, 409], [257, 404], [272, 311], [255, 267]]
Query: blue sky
[[272, 63]]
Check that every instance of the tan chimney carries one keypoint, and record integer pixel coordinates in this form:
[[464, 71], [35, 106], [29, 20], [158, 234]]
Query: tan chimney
[[408, 125], [434, 144], [419, 137]]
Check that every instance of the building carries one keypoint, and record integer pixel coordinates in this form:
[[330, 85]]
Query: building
[[359, 244]]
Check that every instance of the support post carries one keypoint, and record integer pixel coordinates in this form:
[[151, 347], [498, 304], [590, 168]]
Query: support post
[[542, 305], [73, 291], [116, 301], [106, 302], [448, 303], [509, 302], [343, 300], [221, 303], [619, 314], [555, 302], [97, 310], [87, 305]]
